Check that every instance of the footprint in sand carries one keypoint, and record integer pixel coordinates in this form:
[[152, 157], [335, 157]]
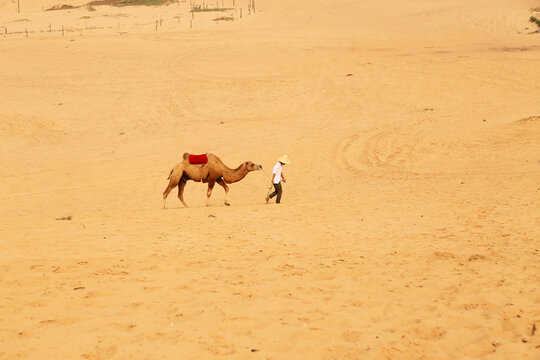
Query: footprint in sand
[[476, 257]]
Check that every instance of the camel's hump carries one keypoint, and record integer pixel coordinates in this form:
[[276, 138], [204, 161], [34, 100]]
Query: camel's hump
[[209, 155]]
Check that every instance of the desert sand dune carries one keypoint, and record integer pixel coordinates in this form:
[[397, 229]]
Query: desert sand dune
[[408, 227]]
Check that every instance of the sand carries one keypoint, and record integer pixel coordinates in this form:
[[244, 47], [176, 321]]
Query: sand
[[409, 224]]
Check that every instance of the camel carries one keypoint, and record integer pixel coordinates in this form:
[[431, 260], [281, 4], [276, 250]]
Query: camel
[[214, 171]]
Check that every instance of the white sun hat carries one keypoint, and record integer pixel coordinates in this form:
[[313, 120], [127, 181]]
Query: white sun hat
[[285, 160]]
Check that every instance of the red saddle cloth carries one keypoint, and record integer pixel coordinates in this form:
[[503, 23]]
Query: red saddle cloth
[[198, 159]]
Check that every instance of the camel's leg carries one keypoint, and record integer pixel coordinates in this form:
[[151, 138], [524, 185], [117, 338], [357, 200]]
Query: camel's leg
[[209, 192], [174, 177], [221, 182], [181, 186], [167, 191]]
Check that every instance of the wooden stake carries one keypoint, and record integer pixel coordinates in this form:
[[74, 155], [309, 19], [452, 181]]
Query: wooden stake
[[190, 24], [240, 13], [156, 24], [253, 5], [18, 6], [50, 28], [26, 31]]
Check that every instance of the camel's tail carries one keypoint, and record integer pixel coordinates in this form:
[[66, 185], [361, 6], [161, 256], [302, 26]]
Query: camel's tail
[[170, 173]]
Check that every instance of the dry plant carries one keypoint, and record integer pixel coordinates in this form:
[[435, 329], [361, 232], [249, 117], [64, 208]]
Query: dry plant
[[535, 20], [117, 3], [199, 8], [61, 7], [224, 18]]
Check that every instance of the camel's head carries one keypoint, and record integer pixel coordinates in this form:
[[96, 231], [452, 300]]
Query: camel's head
[[251, 166]]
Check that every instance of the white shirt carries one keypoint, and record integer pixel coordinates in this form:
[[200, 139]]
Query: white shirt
[[277, 171]]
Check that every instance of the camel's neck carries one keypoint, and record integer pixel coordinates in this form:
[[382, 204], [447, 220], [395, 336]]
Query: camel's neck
[[234, 175]]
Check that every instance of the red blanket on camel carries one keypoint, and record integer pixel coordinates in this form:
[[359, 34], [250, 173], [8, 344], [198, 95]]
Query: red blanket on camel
[[198, 159]]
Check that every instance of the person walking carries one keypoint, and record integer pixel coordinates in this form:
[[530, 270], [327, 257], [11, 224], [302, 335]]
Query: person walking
[[277, 177]]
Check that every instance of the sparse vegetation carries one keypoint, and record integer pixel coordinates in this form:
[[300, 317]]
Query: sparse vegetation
[[61, 7], [90, 5], [535, 20], [224, 18], [130, 2], [199, 8]]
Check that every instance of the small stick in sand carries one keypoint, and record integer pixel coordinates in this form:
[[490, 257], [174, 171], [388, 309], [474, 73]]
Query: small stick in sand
[[56, 269], [63, 33], [190, 24], [156, 25], [240, 13], [26, 31]]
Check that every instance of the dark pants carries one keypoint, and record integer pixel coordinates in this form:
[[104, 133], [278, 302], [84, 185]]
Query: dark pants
[[277, 192]]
